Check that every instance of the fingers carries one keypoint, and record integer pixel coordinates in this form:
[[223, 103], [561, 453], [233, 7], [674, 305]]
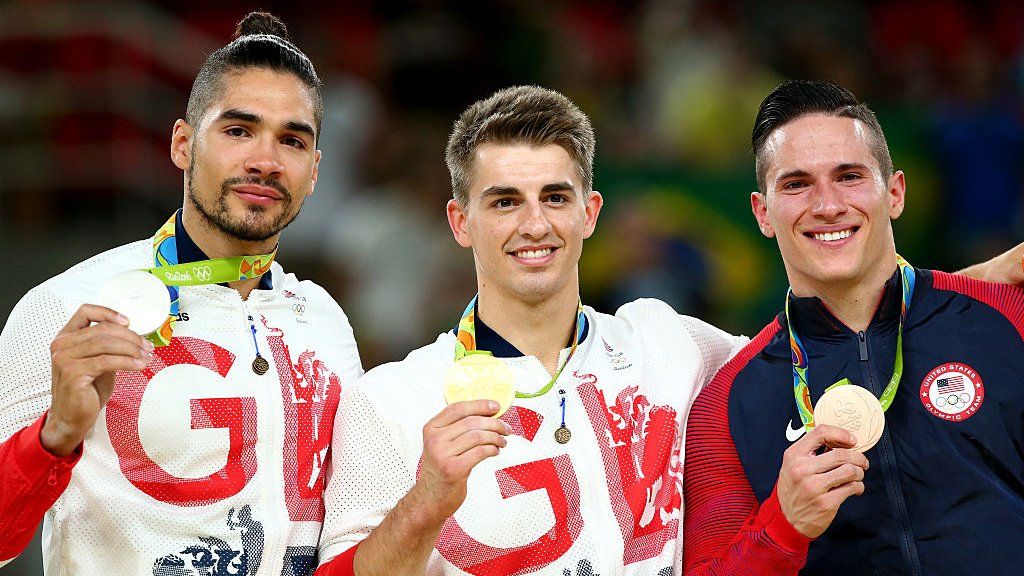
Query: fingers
[[823, 436], [100, 339], [90, 313], [473, 439], [459, 410], [471, 458], [847, 473], [822, 463]]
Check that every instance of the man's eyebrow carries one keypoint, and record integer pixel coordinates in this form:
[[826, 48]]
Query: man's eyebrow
[[850, 166], [793, 174], [499, 191], [236, 114], [563, 186], [295, 126]]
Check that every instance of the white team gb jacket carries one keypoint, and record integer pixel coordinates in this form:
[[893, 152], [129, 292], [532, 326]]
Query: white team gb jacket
[[197, 465], [607, 502]]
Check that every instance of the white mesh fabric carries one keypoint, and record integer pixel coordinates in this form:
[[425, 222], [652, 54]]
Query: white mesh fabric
[[608, 502], [196, 459], [25, 359]]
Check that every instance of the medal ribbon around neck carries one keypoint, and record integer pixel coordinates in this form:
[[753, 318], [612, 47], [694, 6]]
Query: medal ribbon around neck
[[800, 360], [466, 343], [216, 271]]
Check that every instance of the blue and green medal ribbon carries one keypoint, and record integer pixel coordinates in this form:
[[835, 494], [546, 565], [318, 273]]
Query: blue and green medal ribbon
[[802, 393], [174, 275], [465, 335]]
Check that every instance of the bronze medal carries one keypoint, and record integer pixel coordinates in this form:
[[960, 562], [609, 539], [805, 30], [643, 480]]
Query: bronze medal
[[562, 435], [853, 409], [260, 365]]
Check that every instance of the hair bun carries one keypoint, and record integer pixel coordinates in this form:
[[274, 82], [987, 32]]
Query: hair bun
[[261, 23]]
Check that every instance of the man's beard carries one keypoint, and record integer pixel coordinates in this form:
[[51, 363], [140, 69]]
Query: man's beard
[[252, 227]]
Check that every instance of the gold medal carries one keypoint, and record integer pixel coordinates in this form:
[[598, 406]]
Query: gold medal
[[562, 435], [480, 377], [853, 409], [260, 365]]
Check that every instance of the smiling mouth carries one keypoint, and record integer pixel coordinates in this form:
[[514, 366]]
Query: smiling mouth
[[832, 236], [533, 254]]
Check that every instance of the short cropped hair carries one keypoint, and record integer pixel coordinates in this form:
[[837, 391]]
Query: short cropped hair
[[795, 98], [260, 41], [520, 115]]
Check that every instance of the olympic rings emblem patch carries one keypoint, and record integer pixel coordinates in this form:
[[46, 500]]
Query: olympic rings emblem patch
[[952, 391]]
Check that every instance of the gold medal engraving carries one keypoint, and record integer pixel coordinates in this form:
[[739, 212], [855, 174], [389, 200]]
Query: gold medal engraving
[[853, 409], [480, 377], [562, 435]]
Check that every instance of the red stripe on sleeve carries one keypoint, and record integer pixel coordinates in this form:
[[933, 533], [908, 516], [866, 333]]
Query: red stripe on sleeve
[[725, 530], [1007, 300]]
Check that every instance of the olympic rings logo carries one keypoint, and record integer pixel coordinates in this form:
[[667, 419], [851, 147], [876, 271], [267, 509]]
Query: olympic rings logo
[[953, 400]]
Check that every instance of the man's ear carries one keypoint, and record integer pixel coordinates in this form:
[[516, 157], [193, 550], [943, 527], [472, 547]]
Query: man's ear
[[897, 194], [316, 172], [181, 144], [457, 222], [594, 202], [759, 206]]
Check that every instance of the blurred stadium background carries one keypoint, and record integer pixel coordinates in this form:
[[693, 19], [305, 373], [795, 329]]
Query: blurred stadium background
[[89, 92]]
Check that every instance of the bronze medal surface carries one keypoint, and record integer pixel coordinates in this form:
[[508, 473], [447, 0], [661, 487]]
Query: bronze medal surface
[[854, 409]]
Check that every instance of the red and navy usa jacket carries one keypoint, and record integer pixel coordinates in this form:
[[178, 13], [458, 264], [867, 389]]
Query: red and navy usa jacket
[[944, 493]]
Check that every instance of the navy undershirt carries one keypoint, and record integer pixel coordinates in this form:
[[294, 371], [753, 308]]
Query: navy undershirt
[[488, 339], [188, 251]]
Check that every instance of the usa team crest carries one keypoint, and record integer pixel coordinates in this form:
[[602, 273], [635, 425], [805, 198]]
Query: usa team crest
[[952, 391]]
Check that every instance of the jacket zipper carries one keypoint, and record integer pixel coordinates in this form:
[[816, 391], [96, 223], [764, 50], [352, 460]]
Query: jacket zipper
[[890, 470]]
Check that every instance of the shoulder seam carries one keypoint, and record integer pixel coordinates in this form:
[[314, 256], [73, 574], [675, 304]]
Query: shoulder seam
[[1005, 299]]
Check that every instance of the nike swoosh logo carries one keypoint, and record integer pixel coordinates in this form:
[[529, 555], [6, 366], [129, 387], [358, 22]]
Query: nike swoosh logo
[[794, 434]]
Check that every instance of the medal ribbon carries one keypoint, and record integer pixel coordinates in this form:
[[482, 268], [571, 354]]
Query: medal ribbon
[[465, 344], [802, 393], [216, 271]]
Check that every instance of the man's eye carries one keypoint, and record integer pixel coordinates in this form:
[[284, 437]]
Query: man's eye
[[850, 177], [504, 203], [294, 142], [236, 131], [794, 185], [557, 198]]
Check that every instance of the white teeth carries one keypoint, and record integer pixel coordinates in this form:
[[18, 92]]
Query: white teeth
[[833, 236], [531, 254]]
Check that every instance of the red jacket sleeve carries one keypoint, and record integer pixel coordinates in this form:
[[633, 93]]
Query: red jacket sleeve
[[340, 565], [31, 480], [725, 530]]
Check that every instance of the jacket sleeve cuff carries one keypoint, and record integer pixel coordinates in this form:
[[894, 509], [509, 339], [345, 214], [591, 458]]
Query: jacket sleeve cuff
[[37, 465], [779, 529], [341, 565]]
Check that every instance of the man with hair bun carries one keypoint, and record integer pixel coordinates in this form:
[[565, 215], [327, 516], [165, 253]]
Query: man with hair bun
[[876, 426], [182, 427]]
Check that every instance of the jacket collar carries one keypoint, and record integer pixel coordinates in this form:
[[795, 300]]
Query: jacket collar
[[811, 317]]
